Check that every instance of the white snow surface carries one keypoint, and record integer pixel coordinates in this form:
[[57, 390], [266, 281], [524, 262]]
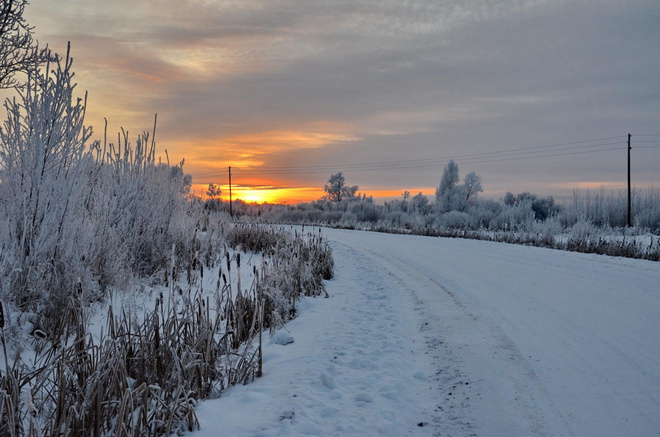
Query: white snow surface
[[465, 338]]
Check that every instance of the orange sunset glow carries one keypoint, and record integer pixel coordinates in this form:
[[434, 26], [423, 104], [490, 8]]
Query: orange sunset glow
[[273, 194], [257, 194]]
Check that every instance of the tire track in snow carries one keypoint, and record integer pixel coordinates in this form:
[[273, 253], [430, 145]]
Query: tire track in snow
[[455, 416], [452, 416], [556, 343]]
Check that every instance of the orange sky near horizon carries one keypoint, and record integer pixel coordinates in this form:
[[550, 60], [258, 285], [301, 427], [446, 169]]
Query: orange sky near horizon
[[293, 195]]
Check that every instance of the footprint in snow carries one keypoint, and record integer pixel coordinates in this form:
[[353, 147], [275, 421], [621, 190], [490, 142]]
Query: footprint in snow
[[328, 380], [364, 397]]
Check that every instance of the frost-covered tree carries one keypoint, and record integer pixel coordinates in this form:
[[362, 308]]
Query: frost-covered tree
[[420, 203], [18, 50], [213, 191], [472, 184], [445, 194], [338, 190], [450, 196]]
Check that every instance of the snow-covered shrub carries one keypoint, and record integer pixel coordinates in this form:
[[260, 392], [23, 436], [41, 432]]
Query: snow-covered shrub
[[44, 164], [349, 220], [548, 230], [77, 215], [295, 266], [514, 218], [331, 216], [365, 211], [647, 210], [456, 220], [583, 230], [484, 213], [543, 207], [600, 207], [140, 199]]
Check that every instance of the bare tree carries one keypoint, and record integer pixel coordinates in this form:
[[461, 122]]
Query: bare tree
[[19, 52]]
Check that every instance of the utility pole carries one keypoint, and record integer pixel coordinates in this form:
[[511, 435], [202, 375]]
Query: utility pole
[[231, 213], [629, 190]]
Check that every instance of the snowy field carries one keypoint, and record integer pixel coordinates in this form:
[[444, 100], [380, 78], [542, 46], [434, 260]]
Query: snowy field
[[429, 336]]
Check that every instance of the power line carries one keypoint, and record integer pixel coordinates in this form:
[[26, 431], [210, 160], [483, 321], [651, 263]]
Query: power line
[[506, 151], [303, 171], [436, 162], [515, 154], [509, 154]]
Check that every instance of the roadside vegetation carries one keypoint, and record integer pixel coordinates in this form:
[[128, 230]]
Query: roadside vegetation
[[592, 222], [123, 302]]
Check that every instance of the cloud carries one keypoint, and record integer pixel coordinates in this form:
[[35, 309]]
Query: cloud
[[291, 82]]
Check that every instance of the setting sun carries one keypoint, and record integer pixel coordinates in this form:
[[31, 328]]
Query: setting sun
[[263, 194]]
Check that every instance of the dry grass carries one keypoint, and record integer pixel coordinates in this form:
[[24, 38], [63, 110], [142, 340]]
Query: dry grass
[[145, 378]]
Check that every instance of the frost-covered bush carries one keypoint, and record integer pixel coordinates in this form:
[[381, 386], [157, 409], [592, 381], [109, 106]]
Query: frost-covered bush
[[518, 217], [143, 202], [649, 219], [295, 265], [485, 212], [647, 210], [600, 207], [80, 216], [543, 207], [331, 216], [548, 230], [583, 230], [364, 211], [456, 220], [44, 164], [349, 219]]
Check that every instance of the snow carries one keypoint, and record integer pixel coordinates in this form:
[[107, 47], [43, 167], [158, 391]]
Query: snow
[[464, 338]]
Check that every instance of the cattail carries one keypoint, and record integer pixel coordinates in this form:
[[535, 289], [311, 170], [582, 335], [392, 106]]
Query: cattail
[[2, 316], [39, 334]]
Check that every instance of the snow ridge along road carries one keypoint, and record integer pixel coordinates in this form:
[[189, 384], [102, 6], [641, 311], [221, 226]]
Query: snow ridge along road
[[430, 336]]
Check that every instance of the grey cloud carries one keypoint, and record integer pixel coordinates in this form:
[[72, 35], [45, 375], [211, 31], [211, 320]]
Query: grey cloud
[[460, 76]]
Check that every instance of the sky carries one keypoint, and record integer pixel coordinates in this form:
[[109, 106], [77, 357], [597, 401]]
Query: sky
[[288, 92]]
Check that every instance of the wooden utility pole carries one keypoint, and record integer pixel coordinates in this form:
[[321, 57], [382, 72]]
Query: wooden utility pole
[[231, 212], [629, 190]]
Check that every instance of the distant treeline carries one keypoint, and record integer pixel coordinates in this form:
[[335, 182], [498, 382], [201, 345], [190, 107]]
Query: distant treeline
[[588, 222]]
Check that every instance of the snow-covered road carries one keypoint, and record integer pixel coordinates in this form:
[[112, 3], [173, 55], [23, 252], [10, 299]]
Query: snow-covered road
[[464, 338]]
